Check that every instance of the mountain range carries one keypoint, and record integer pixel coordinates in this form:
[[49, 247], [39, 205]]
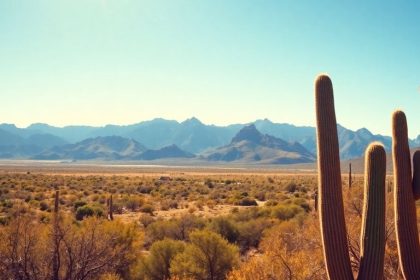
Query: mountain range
[[250, 145], [160, 138]]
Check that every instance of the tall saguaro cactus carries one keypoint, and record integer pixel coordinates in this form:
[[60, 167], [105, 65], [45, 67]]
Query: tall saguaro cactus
[[331, 209], [404, 200]]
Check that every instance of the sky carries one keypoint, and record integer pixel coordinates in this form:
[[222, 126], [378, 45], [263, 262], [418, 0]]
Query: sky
[[97, 62]]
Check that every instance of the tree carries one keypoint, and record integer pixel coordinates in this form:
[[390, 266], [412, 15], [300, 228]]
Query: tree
[[208, 256]]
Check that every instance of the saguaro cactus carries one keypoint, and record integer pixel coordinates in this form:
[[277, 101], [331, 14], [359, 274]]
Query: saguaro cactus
[[372, 241], [405, 208], [331, 209], [56, 201], [416, 175], [350, 181]]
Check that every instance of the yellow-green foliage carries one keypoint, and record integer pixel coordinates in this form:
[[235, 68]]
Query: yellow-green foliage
[[208, 256], [157, 263]]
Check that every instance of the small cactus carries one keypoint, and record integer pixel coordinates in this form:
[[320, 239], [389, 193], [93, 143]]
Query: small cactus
[[331, 209], [56, 201], [110, 208], [406, 188]]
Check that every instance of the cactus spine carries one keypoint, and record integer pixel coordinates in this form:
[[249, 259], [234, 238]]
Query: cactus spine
[[405, 208], [331, 209]]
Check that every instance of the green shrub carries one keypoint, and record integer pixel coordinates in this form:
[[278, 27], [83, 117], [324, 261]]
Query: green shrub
[[226, 228], [147, 208], [89, 210], [246, 201], [208, 256], [78, 203], [286, 212]]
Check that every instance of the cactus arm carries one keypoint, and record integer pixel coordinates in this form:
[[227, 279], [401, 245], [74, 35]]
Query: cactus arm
[[331, 210], [405, 209], [372, 251]]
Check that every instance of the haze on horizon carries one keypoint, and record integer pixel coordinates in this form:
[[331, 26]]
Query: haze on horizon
[[98, 62]]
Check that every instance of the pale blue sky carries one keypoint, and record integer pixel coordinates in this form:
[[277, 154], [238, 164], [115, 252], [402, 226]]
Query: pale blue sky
[[224, 61]]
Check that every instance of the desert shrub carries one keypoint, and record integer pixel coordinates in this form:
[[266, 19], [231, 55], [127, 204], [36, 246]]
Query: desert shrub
[[147, 208], [78, 203], [156, 265], [300, 202], [251, 232], [168, 204], [286, 211], [133, 203], [43, 206], [209, 183], [83, 212], [260, 196], [88, 211], [291, 250], [112, 248], [226, 228], [7, 203], [146, 220], [160, 230], [246, 201], [208, 256], [291, 187], [271, 202], [118, 206]]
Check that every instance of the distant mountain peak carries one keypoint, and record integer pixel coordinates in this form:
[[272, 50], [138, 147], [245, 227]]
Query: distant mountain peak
[[38, 125], [172, 151], [365, 132], [192, 121], [8, 125], [265, 120], [250, 145], [248, 133]]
